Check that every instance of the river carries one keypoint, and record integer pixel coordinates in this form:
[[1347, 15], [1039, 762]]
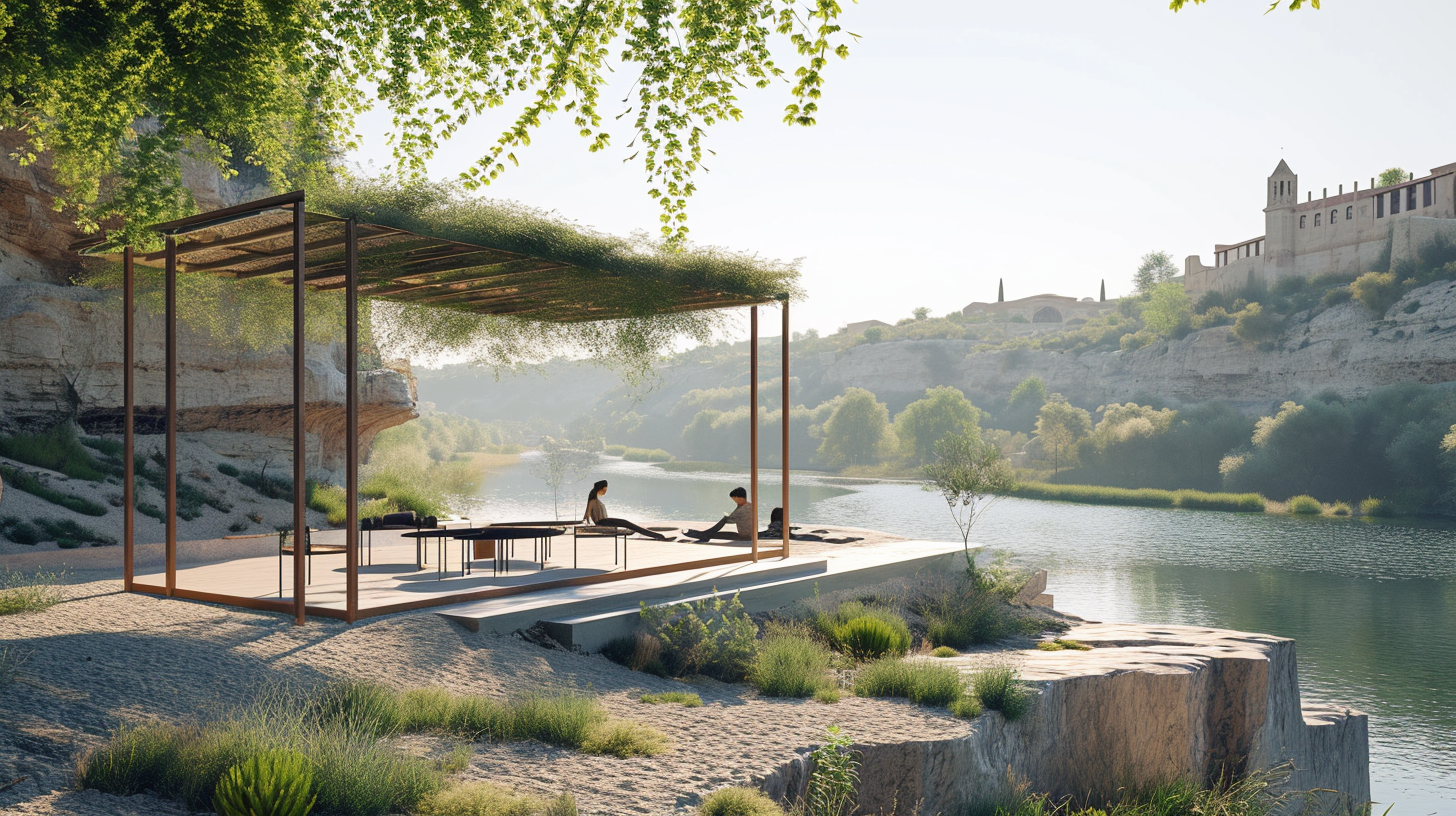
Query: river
[[1372, 604]]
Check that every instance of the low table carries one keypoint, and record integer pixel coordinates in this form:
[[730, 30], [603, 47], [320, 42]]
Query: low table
[[440, 534], [503, 535]]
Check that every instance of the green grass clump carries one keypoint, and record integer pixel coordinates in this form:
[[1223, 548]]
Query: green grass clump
[[1377, 508], [68, 534], [22, 592], [967, 708], [920, 682], [331, 500], [646, 455], [1340, 508], [944, 651], [639, 652], [739, 801], [1063, 643], [490, 799], [827, 695], [1249, 796], [614, 450], [998, 689], [960, 616], [864, 632], [567, 720], [20, 480], [624, 739], [272, 783], [227, 469], [1305, 506], [1143, 497], [791, 665], [57, 449], [11, 659], [686, 699]]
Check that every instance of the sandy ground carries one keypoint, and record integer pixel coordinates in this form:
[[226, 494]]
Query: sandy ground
[[104, 656]]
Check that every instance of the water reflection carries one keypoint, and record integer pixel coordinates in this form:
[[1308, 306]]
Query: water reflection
[[1372, 604]]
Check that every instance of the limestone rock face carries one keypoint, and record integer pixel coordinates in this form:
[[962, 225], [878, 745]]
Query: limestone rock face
[[1147, 704], [1344, 349], [61, 356]]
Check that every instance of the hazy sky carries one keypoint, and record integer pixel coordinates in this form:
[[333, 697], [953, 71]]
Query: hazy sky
[[1049, 142]]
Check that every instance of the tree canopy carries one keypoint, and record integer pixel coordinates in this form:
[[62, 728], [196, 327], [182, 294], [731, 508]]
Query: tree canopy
[[1155, 268], [121, 93], [855, 433], [1392, 176], [943, 411], [1294, 5]]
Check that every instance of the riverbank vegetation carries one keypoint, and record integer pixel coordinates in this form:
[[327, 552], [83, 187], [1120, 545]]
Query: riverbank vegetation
[[344, 731], [22, 592]]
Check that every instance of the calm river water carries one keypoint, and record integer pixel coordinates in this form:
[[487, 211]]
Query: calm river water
[[1371, 604]]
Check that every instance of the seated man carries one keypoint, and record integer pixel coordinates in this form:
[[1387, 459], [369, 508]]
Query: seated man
[[743, 517]]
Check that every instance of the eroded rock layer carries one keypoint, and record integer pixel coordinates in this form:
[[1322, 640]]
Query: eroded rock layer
[[1147, 704]]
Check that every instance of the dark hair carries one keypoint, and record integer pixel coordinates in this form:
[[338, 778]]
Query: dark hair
[[776, 516], [738, 492], [596, 488]]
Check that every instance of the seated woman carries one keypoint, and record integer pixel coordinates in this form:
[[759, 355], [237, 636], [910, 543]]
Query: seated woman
[[596, 513]]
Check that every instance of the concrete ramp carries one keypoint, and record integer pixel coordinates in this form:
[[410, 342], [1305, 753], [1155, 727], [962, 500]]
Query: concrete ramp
[[586, 617]]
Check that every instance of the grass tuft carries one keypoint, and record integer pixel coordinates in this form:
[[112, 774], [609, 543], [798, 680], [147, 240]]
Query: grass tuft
[[1305, 506], [21, 592], [944, 651], [998, 689], [686, 699], [57, 449], [624, 739], [490, 799], [1143, 497], [925, 683], [739, 801], [791, 665], [1340, 508], [1377, 508]]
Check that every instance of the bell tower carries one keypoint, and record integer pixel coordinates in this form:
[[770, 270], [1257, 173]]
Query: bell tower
[[1279, 223], [1283, 187]]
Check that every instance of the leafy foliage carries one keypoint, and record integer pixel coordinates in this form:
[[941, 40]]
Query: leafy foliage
[[998, 689], [1156, 268], [1059, 427], [855, 434], [491, 799], [789, 664], [970, 475], [28, 592], [1391, 176], [121, 93], [20, 480], [57, 449], [834, 779], [919, 681], [941, 412], [712, 636]]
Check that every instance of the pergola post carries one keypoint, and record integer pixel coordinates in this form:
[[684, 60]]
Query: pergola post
[[128, 400], [351, 417], [171, 389], [784, 421], [300, 518], [753, 422]]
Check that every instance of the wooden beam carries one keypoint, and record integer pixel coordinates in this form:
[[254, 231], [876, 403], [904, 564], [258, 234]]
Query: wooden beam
[[232, 242], [300, 516], [753, 421], [784, 423]]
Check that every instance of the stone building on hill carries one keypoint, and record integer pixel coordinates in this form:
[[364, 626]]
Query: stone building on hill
[[1044, 312], [1347, 233]]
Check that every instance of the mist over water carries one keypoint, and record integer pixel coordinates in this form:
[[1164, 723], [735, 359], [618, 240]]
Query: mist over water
[[1372, 604]]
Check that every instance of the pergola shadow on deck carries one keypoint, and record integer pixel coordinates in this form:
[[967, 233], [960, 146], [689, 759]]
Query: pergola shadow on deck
[[279, 239]]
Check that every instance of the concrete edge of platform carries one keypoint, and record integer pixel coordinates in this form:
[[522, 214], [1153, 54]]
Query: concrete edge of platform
[[590, 632]]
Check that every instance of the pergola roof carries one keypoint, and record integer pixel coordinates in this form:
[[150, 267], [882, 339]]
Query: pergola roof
[[256, 240]]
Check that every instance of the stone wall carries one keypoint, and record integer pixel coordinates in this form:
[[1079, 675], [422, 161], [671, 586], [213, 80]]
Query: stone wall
[[1147, 704]]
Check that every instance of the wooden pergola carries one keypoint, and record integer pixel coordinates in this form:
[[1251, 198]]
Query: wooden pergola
[[278, 237]]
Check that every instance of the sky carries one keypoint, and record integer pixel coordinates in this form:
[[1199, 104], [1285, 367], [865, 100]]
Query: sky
[[1049, 143]]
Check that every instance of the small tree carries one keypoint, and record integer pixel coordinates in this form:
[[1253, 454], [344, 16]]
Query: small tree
[[1393, 175], [943, 411], [562, 463], [971, 475], [920, 312], [1059, 427], [1025, 403], [1156, 268], [855, 432], [1169, 312]]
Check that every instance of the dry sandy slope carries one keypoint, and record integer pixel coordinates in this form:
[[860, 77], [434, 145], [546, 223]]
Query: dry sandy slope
[[103, 656]]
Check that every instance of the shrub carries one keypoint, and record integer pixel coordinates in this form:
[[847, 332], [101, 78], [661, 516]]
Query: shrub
[[967, 708], [789, 665], [331, 500], [870, 638], [739, 801], [11, 659], [920, 682], [1340, 508], [228, 470], [20, 592], [490, 799], [18, 531], [998, 689], [965, 617], [1256, 325], [56, 449], [834, 778], [828, 695], [1376, 508], [646, 455], [1377, 290], [687, 699], [273, 783], [614, 450], [20, 480], [638, 652], [944, 651], [1143, 497], [712, 637], [1337, 295]]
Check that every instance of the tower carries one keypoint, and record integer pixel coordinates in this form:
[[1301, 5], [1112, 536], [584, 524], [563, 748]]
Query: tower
[[1279, 223]]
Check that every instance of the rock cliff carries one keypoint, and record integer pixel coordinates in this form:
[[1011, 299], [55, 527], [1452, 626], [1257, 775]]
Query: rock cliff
[[1343, 349], [1147, 704], [61, 352]]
